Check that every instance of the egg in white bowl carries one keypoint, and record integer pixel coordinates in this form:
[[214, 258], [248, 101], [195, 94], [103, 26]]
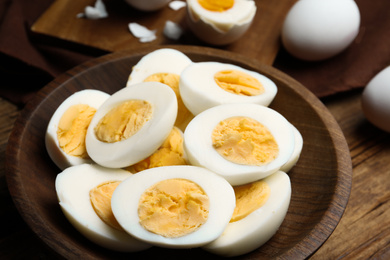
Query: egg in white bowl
[[67, 128], [154, 67], [84, 193], [241, 142], [260, 210], [220, 22], [207, 84], [131, 124], [174, 206]]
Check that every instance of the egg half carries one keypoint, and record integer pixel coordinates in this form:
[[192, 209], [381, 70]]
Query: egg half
[[241, 142], [220, 22], [207, 84], [73, 187], [131, 124], [174, 206], [66, 131], [254, 230]]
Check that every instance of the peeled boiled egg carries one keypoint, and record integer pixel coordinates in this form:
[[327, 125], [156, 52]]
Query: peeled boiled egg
[[67, 128], [316, 29], [207, 84], [260, 210], [131, 124], [298, 145], [174, 206], [376, 100], [241, 142], [84, 193], [150, 5], [164, 65], [220, 22]]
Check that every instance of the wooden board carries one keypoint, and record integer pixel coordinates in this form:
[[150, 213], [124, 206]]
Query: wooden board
[[111, 34]]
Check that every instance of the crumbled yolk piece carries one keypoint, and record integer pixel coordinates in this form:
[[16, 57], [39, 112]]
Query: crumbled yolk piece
[[249, 197], [173, 208], [172, 80], [72, 129], [245, 141], [238, 82], [123, 121], [100, 197], [171, 152], [216, 5]]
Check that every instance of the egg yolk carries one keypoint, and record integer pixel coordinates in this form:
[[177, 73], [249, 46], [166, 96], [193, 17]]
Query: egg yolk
[[72, 129], [173, 208], [100, 198], [123, 121], [216, 5], [171, 152], [243, 140], [238, 82], [249, 197], [172, 80]]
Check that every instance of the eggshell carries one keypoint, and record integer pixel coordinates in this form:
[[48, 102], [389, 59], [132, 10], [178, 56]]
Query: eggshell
[[376, 100], [317, 29]]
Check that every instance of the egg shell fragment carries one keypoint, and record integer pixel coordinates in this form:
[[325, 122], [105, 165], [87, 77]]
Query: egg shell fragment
[[72, 187], [200, 150], [148, 138], [221, 195], [199, 90], [93, 98], [256, 229]]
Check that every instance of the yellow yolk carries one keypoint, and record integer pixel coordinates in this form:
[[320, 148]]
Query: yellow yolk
[[249, 197], [171, 152], [216, 5], [172, 80], [238, 82], [123, 121], [173, 208], [245, 141], [72, 129], [100, 197]]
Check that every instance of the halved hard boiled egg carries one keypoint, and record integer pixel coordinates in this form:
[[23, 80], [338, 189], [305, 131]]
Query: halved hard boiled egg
[[67, 128], [220, 22], [84, 192], [207, 84], [241, 142], [164, 65], [174, 206], [260, 210], [131, 124]]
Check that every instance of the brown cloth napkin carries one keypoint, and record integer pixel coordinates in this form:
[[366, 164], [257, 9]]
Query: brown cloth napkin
[[27, 64]]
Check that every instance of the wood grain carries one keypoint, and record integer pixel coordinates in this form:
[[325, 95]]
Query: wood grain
[[318, 200], [260, 42]]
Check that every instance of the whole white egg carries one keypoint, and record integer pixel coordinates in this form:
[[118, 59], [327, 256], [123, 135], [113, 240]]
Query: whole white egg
[[199, 145], [147, 138], [90, 97], [200, 90], [73, 186], [220, 27], [150, 5], [298, 145], [316, 29], [247, 234], [126, 198], [376, 100]]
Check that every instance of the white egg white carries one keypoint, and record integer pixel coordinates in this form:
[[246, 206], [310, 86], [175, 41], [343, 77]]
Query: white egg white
[[125, 200], [73, 186], [147, 139], [220, 28], [163, 60], [298, 145], [199, 90], [200, 151], [91, 97], [257, 228]]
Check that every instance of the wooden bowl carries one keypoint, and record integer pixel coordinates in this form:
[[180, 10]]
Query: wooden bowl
[[321, 180]]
